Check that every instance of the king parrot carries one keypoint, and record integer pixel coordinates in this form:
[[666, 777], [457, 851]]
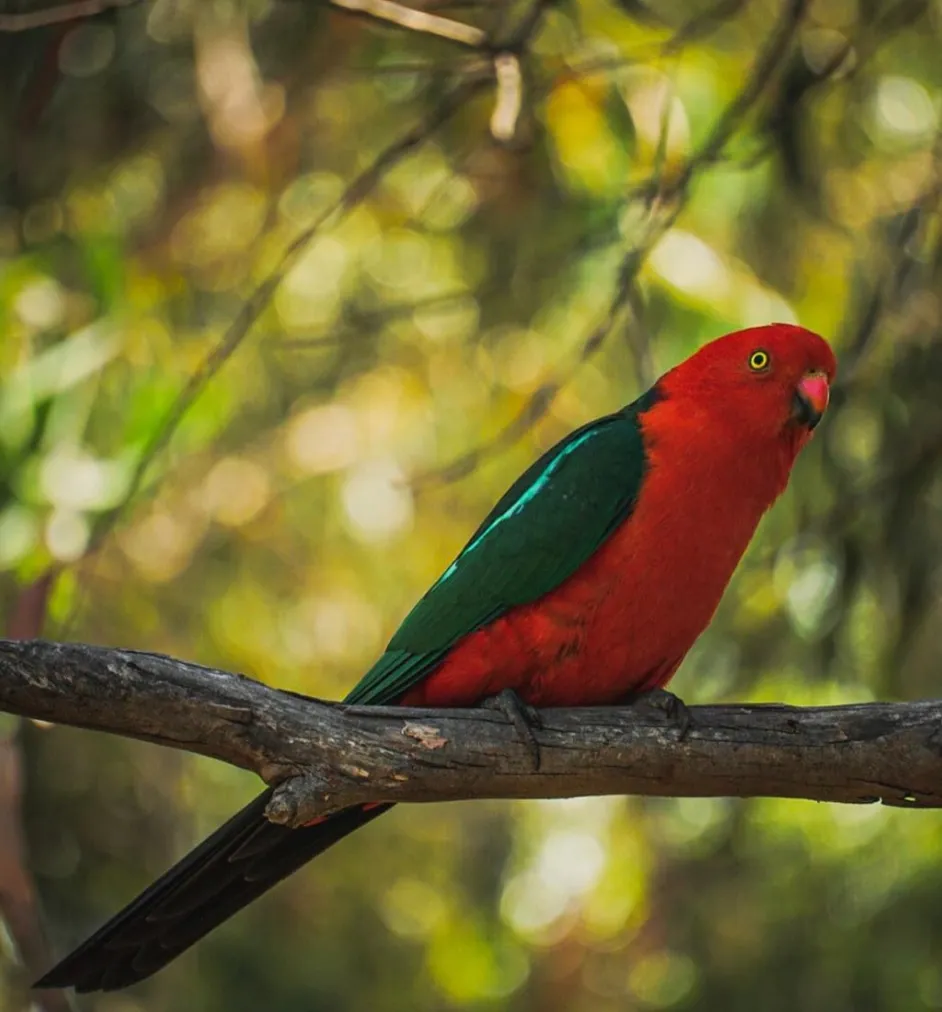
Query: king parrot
[[585, 585]]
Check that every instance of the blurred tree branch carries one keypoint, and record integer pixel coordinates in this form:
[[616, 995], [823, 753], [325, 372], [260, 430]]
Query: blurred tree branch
[[415, 21], [467, 85], [326, 756], [659, 203], [23, 15]]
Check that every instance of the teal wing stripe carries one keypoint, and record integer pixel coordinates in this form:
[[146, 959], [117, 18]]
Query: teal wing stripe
[[518, 504]]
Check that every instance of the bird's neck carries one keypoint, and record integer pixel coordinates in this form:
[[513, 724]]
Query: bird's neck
[[715, 452]]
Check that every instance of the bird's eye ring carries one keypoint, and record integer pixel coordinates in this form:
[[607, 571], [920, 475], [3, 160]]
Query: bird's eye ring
[[759, 360]]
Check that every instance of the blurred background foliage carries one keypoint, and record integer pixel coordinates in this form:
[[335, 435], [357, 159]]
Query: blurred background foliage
[[570, 197]]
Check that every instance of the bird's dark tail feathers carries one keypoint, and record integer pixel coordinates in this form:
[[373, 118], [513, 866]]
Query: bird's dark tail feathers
[[244, 857]]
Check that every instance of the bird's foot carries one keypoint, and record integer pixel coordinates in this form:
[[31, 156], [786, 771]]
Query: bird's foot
[[673, 708], [523, 717]]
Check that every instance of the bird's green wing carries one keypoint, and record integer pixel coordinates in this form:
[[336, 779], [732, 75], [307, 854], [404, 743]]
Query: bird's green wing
[[549, 522]]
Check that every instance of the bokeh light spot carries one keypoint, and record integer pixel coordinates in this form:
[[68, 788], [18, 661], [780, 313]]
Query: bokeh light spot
[[236, 490], [323, 439], [904, 108], [377, 501]]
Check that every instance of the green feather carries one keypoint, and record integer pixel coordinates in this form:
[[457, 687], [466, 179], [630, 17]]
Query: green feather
[[547, 524]]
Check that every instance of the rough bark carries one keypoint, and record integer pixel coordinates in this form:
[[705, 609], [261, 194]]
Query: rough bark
[[325, 755]]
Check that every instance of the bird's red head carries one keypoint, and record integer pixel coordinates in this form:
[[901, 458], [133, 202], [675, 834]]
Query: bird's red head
[[770, 382]]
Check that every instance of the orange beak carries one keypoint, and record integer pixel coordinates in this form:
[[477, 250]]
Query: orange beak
[[811, 399]]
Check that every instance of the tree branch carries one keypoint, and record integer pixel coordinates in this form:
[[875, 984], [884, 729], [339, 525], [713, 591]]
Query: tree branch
[[326, 756], [415, 21]]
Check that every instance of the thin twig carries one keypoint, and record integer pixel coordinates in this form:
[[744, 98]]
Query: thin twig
[[509, 102], [415, 21], [703, 24], [768, 63], [361, 324], [898, 261]]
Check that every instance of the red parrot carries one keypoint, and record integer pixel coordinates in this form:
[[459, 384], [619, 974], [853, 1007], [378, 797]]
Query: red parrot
[[586, 584]]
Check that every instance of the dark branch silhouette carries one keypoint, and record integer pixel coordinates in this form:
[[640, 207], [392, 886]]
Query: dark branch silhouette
[[328, 756]]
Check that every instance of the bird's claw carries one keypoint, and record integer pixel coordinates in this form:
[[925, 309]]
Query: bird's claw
[[523, 716], [673, 708]]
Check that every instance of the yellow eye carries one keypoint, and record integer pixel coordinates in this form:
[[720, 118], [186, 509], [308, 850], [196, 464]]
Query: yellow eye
[[759, 361]]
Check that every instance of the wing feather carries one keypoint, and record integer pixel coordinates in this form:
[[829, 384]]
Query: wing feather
[[547, 524]]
